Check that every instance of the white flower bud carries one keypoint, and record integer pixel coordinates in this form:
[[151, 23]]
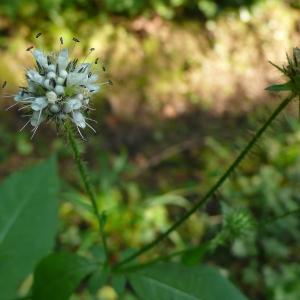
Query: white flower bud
[[51, 75], [59, 90], [51, 96], [60, 80], [47, 85], [54, 108], [51, 68], [63, 73]]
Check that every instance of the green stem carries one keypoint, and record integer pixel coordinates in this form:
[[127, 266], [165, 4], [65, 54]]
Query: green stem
[[299, 108], [206, 246], [159, 259], [88, 186], [279, 217], [214, 188]]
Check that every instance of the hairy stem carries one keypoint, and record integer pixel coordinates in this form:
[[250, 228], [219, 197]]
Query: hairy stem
[[88, 186], [214, 188]]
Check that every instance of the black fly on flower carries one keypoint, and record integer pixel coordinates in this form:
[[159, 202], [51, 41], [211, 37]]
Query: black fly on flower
[[58, 89]]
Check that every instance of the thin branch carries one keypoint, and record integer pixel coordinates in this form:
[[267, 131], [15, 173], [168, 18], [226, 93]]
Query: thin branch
[[214, 188], [262, 225], [206, 246]]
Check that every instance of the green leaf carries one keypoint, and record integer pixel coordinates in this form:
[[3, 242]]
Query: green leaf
[[170, 281], [194, 255], [118, 282], [97, 280], [28, 223], [58, 275], [288, 86]]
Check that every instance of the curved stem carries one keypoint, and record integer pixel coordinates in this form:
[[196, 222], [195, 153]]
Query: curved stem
[[88, 186], [214, 188], [156, 260], [205, 247]]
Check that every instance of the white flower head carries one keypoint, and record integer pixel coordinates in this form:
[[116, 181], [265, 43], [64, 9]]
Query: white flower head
[[59, 88]]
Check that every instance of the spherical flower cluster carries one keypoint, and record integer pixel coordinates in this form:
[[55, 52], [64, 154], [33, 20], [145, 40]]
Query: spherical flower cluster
[[58, 89]]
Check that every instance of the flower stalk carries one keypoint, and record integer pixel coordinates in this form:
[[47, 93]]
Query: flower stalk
[[214, 188], [88, 187]]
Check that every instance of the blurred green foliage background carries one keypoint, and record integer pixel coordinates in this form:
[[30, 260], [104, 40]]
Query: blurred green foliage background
[[189, 79]]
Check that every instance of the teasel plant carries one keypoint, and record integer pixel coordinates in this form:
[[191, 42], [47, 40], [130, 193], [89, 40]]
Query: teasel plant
[[291, 71], [60, 90]]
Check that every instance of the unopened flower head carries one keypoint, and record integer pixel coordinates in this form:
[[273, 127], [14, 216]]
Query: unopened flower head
[[236, 225], [58, 89], [291, 70]]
